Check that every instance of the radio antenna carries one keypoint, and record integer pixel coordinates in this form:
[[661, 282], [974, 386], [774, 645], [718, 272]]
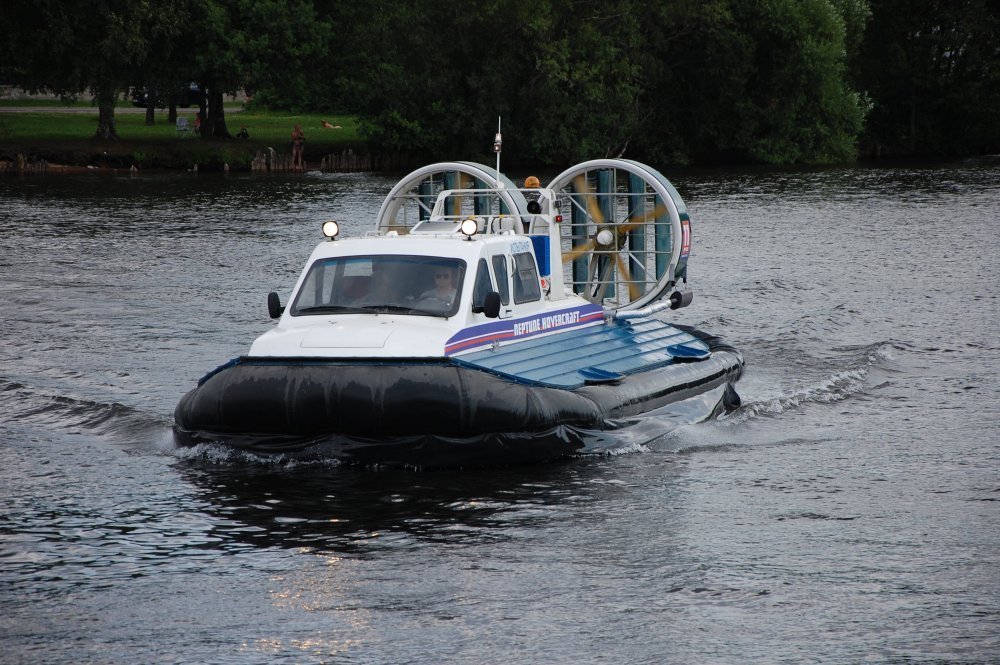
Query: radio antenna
[[497, 142]]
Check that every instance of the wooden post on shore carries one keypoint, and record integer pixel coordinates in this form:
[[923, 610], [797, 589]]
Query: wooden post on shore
[[259, 163], [269, 161], [23, 166], [349, 161]]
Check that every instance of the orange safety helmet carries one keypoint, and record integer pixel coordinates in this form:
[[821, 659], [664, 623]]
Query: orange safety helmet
[[531, 182]]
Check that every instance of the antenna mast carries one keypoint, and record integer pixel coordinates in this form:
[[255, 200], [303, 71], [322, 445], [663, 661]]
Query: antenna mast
[[497, 141]]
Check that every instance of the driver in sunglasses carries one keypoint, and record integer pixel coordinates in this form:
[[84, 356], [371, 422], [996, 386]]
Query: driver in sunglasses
[[444, 286]]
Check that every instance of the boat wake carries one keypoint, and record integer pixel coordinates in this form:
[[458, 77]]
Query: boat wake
[[24, 405], [867, 368], [223, 455], [857, 373]]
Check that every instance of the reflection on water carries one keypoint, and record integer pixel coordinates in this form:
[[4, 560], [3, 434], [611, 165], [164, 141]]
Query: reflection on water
[[322, 508]]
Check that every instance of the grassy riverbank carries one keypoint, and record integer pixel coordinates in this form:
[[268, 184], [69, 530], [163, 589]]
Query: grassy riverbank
[[65, 135]]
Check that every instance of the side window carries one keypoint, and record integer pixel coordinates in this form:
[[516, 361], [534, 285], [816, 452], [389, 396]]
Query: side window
[[526, 288], [500, 268], [483, 284], [318, 287]]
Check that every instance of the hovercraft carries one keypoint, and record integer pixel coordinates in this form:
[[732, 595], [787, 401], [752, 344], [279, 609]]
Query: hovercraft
[[478, 323]]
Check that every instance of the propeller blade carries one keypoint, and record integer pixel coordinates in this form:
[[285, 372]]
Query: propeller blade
[[593, 209], [603, 282], [636, 220], [578, 251], [633, 288]]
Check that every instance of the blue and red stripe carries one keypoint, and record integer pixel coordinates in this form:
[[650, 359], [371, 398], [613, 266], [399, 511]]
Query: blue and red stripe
[[523, 328]]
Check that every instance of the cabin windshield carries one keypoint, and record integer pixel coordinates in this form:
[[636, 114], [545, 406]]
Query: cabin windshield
[[381, 284]]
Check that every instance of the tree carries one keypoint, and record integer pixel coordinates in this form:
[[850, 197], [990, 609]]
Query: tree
[[99, 46], [742, 80], [574, 79], [415, 90], [585, 80], [216, 60], [288, 57], [428, 79], [165, 75], [932, 71]]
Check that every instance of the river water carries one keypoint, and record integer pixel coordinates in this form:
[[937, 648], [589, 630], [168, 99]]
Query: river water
[[848, 512]]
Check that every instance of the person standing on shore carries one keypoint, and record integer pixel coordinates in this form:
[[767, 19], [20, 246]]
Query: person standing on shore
[[298, 139]]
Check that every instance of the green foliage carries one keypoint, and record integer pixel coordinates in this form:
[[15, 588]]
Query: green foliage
[[284, 60], [423, 76], [773, 81], [932, 70], [429, 79], [809, 113], [751, 81], [577, 79], [586, 81]]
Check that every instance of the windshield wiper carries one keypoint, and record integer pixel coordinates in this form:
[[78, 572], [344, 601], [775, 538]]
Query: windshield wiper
[[317, 309], [366, 309], [396, 309]]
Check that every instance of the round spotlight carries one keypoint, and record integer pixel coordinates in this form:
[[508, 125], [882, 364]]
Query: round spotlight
[[469, 226], [331, 229]]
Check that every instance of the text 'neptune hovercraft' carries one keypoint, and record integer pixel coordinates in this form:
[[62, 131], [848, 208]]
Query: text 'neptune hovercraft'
[[482, 323]]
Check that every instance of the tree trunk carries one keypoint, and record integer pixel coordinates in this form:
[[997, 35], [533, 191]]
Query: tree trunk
[[151, 107], [172, 112], [217, 115], [203, 114], [106, 114]]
